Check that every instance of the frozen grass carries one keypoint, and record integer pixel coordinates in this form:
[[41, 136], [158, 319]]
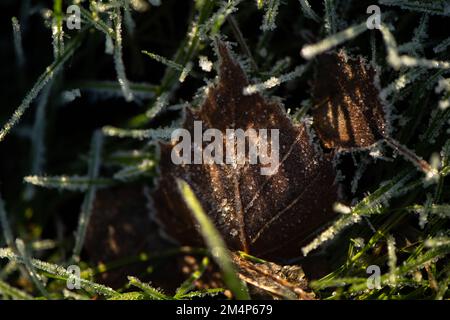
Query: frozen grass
[[413, 65]]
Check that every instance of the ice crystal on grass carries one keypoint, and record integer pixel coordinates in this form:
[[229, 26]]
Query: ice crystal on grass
[[153, 293], [274, 81], [370, 205], [6, 228], [9, 292], [401, 82], [437, 242], [397, 61], [330, 16], [342, 223], [160, 103], [58, 271], [308, 11], [444, 87], [392, 259], [71, 183], [310, 51], [442, 211], [38, 138], [129, 22], [186, 70], [163, 133], [227, 8], [37, 280], [17, 34], [118, 59], [429, 7], [442, 46], [132, 172], [38, 86], [271, 8], [164, 60], [86, 208]]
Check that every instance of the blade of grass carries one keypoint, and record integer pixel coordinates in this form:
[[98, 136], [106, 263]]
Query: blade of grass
[[214, 242]]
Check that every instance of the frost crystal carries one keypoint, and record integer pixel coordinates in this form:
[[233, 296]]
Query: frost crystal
[[308, 11], [273, 81], [7, 233], [310, 51], [18, 42], [270, 15], [205, 64], [118, 61]]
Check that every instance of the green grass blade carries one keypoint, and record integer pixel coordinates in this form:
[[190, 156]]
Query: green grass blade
[[214, 242]]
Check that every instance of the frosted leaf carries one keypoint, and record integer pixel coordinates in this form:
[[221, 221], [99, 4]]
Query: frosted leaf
[[263, 209], [347, 111]]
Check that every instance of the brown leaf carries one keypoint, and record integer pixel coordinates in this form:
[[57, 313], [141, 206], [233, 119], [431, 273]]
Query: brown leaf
[[119, 230], [286, 282], [348, 112], [267, 216]]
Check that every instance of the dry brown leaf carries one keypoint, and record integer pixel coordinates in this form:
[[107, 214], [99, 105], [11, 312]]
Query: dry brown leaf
[[267, 216], [348, 113]]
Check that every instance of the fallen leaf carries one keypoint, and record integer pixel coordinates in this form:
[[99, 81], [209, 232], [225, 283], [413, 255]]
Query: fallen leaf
[[285, 282], [348, 113], [268, 216]]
